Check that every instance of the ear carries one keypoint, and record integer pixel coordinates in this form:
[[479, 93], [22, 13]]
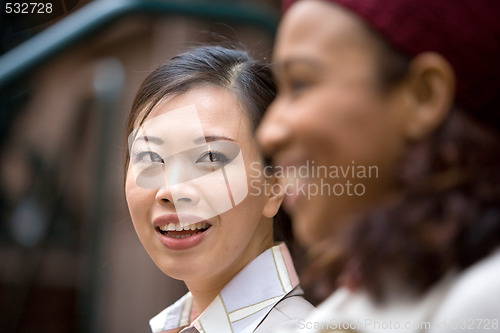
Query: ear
[[276, 190], [430, 91]]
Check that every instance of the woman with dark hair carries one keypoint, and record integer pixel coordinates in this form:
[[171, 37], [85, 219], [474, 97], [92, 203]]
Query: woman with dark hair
[[410, 91], [199, 198]]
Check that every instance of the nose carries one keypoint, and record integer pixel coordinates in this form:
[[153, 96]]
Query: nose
[[174, 190], [274, 131], [183, 193]]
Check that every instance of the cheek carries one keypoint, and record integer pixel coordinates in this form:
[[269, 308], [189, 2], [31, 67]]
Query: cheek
[[138, 200], [364, 130], [248, 211], [220, 191], [343, 126], [241, 223]]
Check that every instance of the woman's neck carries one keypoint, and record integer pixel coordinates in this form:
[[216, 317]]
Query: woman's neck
[[204, 294], [206, 289]]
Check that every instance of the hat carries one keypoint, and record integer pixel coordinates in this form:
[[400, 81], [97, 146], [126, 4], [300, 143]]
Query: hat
[[465, 32]]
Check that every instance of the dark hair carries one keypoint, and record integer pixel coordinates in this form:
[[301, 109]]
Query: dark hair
[[250, 80], [445, 216]]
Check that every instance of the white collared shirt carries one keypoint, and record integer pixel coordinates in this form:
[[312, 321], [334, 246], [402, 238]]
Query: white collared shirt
[[242, 304]]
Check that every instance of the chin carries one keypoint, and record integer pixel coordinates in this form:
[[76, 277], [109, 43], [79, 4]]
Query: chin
[[181, 272]]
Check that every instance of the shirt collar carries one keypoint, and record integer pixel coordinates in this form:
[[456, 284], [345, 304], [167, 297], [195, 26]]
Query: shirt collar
[[242, 304]]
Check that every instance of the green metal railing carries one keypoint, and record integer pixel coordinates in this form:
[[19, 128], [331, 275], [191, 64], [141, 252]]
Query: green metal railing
[[97, 15]]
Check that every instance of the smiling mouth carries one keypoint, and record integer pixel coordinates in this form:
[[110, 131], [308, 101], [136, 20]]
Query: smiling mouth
[[175, 230]]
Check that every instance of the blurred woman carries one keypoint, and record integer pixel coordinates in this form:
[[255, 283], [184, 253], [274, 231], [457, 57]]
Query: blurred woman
[[200, 213], [393, 109]]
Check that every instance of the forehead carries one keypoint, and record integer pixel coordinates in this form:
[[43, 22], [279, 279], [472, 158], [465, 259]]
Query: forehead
[[317, 29], [185, 121], [213, 103], [218, 111]]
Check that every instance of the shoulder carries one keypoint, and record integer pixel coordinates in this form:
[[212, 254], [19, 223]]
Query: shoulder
[[474, 295], [292, 308]]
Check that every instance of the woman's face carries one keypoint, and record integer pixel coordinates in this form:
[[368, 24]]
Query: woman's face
[[330, 118], [189, 189]]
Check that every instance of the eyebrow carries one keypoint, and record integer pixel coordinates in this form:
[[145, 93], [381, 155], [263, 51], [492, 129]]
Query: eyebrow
[[211, 138], [200, 140], [152, 139], [289, 62]]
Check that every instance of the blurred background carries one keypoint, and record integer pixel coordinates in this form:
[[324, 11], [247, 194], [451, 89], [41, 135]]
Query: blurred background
[[69, 257]]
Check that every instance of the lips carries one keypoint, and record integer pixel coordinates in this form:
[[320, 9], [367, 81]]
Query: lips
[[175, 236]]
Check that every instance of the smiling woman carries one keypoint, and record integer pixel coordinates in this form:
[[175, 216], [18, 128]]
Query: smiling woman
[[190, 144], [411, 87]]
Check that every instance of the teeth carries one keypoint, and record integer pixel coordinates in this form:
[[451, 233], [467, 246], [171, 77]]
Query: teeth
[[180, 236], [178, 227]]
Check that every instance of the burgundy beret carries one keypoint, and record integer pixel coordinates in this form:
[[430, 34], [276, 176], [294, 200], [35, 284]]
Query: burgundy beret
[[465, 32]]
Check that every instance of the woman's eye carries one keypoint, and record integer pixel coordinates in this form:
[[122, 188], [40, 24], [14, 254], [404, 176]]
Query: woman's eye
[[148, 157], [211, 159], [298, 85]]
